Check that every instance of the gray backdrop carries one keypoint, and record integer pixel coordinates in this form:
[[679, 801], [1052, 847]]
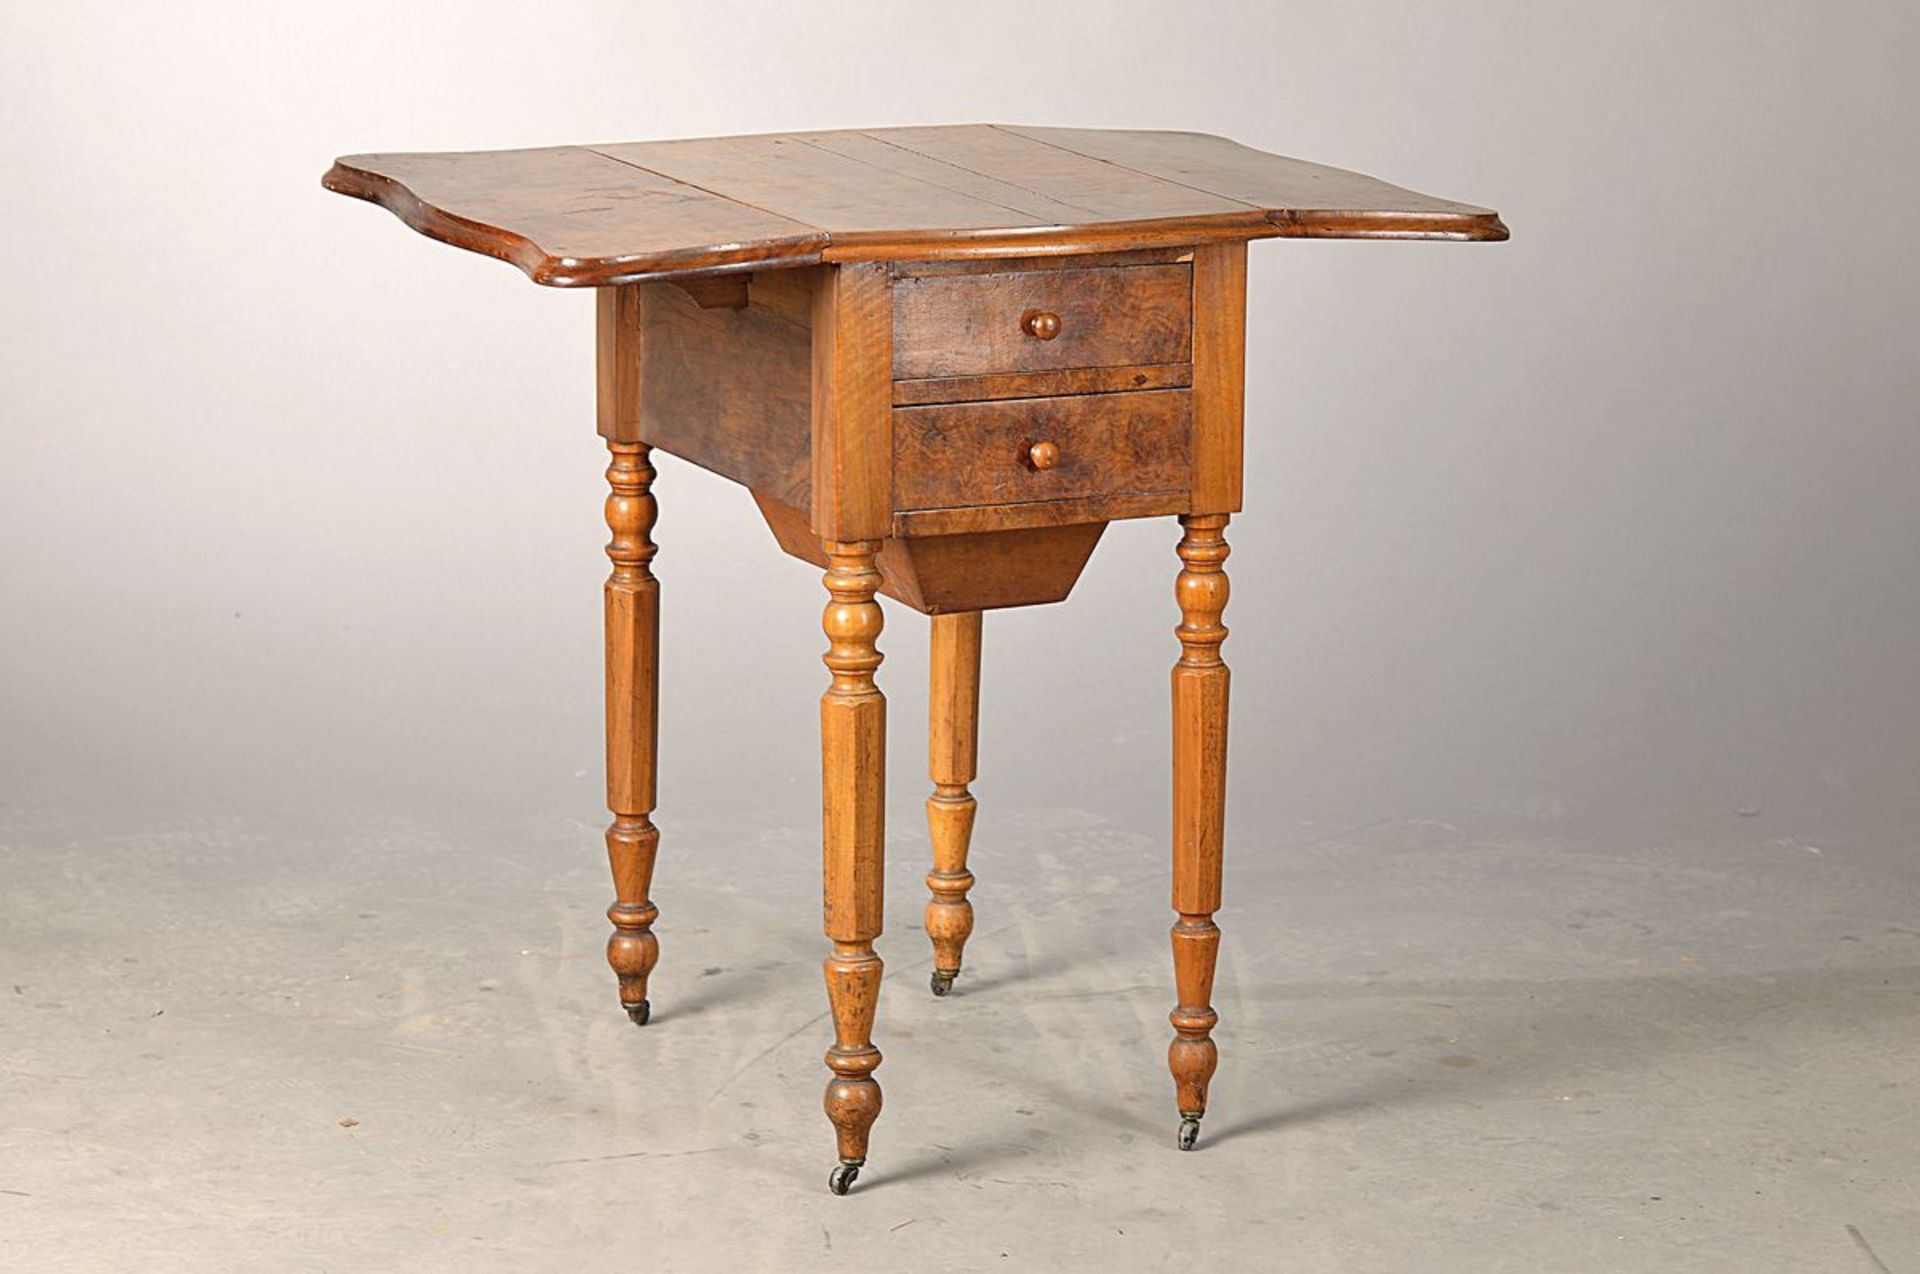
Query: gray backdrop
[[1571, 881], [1616, 519]]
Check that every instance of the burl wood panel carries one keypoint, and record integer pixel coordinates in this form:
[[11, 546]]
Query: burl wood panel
[[977, 324], [965, 454], [589, 216]]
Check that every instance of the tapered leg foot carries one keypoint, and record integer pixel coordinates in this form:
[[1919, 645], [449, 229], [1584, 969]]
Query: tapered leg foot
[[633, 641], [852, 1100], [1199, 811], [853, 747], [952, 747], [842, 1178]]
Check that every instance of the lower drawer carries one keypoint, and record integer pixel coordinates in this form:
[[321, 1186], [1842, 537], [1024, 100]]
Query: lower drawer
[[1021, 451]]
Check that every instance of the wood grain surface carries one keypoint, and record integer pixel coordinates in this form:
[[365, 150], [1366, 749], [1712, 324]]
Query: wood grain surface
[[1200, 690], [1049, 384], [632, 597], [953, 747], [979, 453], [978, 324], [587, 216], [1007, 562]]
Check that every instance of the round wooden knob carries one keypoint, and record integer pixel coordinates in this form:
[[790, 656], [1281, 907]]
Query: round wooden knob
[[1042, 324], [1043, 455]]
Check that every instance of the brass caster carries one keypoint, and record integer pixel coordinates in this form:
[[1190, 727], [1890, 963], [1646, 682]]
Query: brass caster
[[1189, 1131], [941, 982], [843, 1177], [640, 1012]]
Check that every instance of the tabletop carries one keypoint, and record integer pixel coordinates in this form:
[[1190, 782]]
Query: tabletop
[[590, 216]]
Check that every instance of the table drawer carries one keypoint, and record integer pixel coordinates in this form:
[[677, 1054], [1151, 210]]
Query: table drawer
[[1038, 449], [1041, 320]]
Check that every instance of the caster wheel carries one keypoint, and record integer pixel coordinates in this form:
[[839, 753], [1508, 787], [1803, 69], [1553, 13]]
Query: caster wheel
[[1189, 1132], [941, 982], [843, 1178], [639, 1013]]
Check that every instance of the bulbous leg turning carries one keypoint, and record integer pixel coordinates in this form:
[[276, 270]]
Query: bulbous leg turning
[[853, 744], [1199, 811], [632, 950], [632, 650]]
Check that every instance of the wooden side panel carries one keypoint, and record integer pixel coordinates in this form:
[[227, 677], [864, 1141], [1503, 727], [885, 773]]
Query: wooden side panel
[[852, 496], [728, 389], [1219, 375]]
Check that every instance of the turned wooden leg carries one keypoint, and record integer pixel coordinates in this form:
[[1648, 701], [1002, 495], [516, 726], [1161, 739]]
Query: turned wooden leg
[[952, 746], [633, 642], [853, 763], [1199, 809]]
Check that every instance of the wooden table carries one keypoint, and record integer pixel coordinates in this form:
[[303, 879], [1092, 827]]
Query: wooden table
[[942, 360]]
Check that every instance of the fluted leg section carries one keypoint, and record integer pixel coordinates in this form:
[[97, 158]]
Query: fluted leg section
[[633, 642], [853, 747], [1199, 809], [952, 750]]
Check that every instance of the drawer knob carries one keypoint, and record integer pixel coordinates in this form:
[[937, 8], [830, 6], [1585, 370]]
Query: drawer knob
[[1043, 324], [1043, 455]]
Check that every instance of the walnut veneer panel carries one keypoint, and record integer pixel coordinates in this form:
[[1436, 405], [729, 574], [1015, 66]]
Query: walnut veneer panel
[[965, 454], [980, 324]]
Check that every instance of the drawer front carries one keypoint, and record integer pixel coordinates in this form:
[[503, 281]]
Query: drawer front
[[1041, 320], [1036, 449]]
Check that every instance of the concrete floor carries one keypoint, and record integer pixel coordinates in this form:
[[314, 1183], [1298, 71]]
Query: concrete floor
[[1498, 1044]]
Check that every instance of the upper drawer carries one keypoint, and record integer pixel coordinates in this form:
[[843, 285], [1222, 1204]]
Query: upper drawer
[[1040, 320]]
